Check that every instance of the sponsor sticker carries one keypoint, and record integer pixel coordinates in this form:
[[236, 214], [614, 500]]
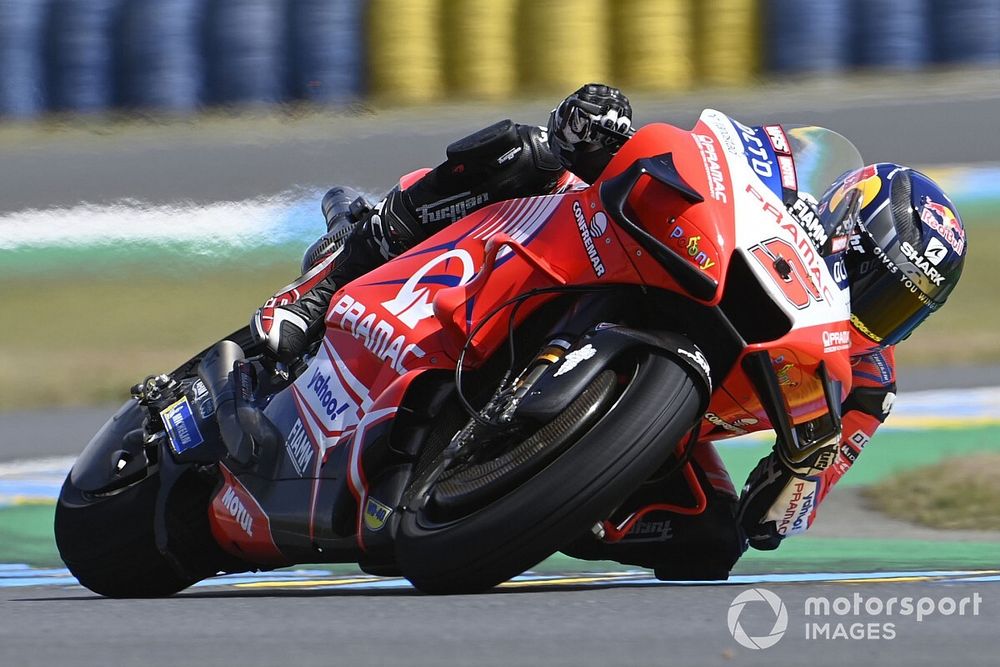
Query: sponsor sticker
[[760, 155], [325, 395], [453, 208], [588, 240], [575, 358], [783, 369], [509, 155], [804, 210], [859, 438], [776, 135], [650, 531], [299, 448], [598, 224], [935, 251], [716, 420], [231, 501], [699, 359], [378, 335], [786, 168], [413, 301], [376, 514], [834, 341], [797, 500], [181, 426], [710, 158], [848, 452], [943, 220], [922, 263], [690, 246]]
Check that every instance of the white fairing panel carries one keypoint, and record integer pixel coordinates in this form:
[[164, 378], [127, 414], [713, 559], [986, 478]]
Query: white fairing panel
[[761, 217]]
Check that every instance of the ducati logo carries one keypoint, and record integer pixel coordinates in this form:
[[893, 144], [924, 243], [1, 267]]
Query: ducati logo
[[413, 302]]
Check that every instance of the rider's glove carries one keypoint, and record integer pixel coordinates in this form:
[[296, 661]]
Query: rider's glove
[[779, 497], [575, 126]]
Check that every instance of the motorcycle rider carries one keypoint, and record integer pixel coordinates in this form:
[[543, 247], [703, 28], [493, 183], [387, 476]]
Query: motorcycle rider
[[906, 252]]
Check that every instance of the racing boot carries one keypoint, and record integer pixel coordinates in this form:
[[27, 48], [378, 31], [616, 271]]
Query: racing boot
[[677, 546], [292, 320]]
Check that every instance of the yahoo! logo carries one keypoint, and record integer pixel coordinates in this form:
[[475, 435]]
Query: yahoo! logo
[[320, 385]]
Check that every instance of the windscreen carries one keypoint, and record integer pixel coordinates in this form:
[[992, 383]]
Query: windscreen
[[821, 156]]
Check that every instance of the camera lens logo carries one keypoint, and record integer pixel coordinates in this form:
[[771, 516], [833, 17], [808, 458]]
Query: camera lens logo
[[776, 606]]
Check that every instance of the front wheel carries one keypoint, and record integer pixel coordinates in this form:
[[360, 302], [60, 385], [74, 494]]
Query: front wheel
[[108, 542], [482, 524]]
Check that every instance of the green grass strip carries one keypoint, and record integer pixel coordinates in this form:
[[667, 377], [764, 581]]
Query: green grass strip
[[26, 536], [889, 452]]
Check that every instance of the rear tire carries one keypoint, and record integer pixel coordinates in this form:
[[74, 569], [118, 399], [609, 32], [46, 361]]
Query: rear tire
[[587, 480]]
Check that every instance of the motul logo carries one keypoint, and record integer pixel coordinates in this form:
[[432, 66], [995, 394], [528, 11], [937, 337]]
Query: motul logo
[[238, 510]]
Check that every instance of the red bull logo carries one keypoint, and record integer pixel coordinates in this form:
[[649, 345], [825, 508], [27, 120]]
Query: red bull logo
[[866, 180], [943, 220]]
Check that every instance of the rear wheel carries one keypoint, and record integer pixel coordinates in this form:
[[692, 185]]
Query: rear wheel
[[482, 522]]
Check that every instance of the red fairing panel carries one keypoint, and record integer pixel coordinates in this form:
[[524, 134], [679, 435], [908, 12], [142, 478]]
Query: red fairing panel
[[240, 526]]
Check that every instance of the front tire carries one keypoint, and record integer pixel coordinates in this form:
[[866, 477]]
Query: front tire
[[108, 542], [589, 477]]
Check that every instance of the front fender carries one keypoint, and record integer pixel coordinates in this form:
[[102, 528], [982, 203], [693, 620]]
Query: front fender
[[595, 351], [98, 468]]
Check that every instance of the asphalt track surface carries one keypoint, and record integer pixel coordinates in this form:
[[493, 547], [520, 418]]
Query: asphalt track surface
[[569, 625], [656, 625]]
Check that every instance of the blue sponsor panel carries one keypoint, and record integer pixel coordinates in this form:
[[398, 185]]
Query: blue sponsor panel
[[890, 34], [181, 426], [759, 153], [244, 51], [80, 54], [22, 72], [161, 61], [804, 35], [965, 31], [325, 49]]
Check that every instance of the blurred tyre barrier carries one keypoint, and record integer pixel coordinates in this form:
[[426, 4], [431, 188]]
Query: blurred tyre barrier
[[80, 54], [22, 70], [161, 61], [243, 48], [564, 44], [966, 30], [728, 41], [325, 49], [653, 44], [480, 39], [889, 34], [405, 50], [174, 55], [804, 36]]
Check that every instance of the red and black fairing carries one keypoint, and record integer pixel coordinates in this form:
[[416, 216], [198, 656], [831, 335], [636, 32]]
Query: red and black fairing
[[663, 217]]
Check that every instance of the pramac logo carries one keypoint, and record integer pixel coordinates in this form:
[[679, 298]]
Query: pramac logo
[[413, 302]]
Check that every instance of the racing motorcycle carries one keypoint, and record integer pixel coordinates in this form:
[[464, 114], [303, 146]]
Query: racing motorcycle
[[497, 391]]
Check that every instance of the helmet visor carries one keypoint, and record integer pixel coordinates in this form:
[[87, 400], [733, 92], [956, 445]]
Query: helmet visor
[[886, 305]]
